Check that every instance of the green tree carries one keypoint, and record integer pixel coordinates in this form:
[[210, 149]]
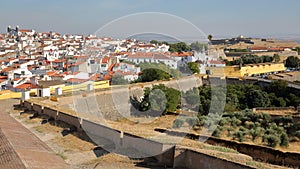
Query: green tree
[[151, 74], [194, 67], [257, 98], [191, 121], [239, 135], [272, 140], [292, 62], [160, 98], [298, 50], [154, 42], [209, 37], [276, 58], [178, 123], [118, 80], [266, 58], [174, 73], [216, 133], [179, 47], [284, 140], [199, 46], [192, 97], [279, 87], [256, 132]]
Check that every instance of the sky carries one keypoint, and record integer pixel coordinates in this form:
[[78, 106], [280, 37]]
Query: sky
[[221, 18]]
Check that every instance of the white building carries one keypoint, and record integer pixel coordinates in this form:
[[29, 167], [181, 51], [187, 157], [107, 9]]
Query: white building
[[51, 52], [153, 58]]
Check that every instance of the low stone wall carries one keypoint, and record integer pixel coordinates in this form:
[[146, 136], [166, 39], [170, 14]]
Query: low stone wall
[[190, 159], [274, 108], [261, 153], [97, 131], [50, 112], [37, 108], [27, 105], [69, 119]]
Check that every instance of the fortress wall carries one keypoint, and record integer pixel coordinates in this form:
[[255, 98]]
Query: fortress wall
[[50, 112], [257, 152], [27, 105], [164, 154], [194, 160], [95, 130], [37, 108], [69, 119]]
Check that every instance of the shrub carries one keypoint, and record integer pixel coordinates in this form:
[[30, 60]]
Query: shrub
[[224, 121], [272, 140], [239, 135], [297, 134], [235, 122], [284, 140], [254, 133], [217, 133], [178, 123], [191, 121], [229, 130], [201, 120], [251, 125]]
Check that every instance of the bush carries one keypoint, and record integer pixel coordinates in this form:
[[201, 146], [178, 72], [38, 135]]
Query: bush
[[284, 140], [224, 121], [235, 122], [178, 123], [191, 121], [297, 134], [217, 133], [239, 135], [200, 120], [229, 130], [254, 133], [272, 140], [251, 125]]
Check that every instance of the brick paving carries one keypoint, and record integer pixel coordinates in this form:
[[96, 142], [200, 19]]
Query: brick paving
[[19, 148], [9, 159]]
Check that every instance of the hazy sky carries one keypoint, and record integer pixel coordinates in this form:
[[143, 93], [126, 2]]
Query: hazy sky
[[217, 17]]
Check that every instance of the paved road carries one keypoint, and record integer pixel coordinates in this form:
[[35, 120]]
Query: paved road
[[19, 144]]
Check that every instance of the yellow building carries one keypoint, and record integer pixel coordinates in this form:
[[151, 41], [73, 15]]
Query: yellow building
[[247, 70]]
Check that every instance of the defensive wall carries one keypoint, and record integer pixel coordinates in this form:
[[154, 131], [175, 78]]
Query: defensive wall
[[117, 141], [165, 155], [260, 153], [187, 158]]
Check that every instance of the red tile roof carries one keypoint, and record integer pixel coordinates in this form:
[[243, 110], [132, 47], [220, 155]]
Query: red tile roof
[[108, 76], [26, 86], [75, 80], [105, 60], [215, 62], [25, 30], [95, 77], [259, 48], [7, 69], [81, 57]]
